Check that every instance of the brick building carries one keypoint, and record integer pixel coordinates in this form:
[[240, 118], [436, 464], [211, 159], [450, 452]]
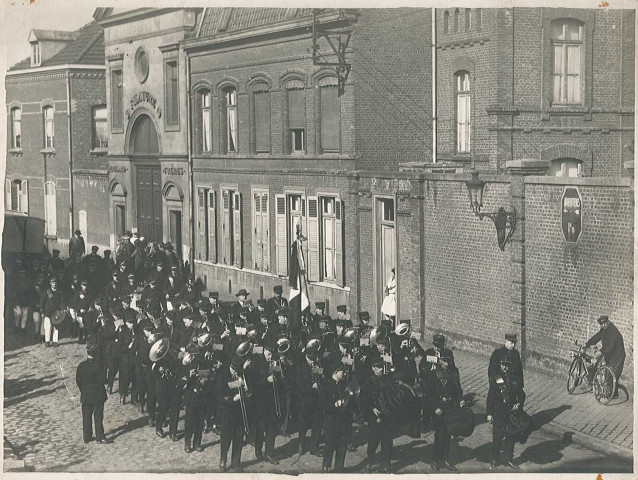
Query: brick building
[[56, 117], [274, 138]]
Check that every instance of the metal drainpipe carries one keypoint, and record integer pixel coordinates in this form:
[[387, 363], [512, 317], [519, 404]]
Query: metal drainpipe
[[434, 147], [68, 116], [191, 212]]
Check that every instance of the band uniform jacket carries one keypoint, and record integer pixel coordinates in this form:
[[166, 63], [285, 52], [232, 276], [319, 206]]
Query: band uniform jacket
[[229, 411], [263, 390], [106, 335], [443, 389], [197, 389], [503, 394], [273, 304], [90, 382], [163, 375], [52, 302], [112, 293], [125, 337], [494, 370], [91, 325], [335, 419], [613, 347], [190, 293]]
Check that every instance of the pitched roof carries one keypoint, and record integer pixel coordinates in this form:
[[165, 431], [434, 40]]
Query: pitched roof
[[53, 35], [87, 48], [222, 20]]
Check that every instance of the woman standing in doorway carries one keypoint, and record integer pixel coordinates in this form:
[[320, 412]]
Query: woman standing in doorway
[[389, 307]]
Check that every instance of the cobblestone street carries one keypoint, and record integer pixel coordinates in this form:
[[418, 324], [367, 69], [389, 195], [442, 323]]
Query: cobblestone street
[[43, 427]]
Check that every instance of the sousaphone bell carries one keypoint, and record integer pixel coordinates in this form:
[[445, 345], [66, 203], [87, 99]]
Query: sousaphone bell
[[160, 350]]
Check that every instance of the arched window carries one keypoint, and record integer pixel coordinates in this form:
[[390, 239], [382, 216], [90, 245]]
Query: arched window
[[329, 115], [144, 136], [463, 112], [260, 118], [229, 134], [16, 127], [202, 121], [296, 116], [446, 22], [456, 20], [567, 45], [49, 127], [566, 167], [50, 209], [16, 195]]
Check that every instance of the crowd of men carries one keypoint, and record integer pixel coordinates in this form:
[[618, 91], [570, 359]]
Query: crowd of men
[[252, 371]]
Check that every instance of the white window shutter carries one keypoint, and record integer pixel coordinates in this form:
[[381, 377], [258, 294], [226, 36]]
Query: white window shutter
[[201, 223], [212, 226], [24, 197], [84, 224], [281, 235], [265, 231], [257, 231], [237, 229], [313, 240], [339, 268], [7, 195], [226, 228]]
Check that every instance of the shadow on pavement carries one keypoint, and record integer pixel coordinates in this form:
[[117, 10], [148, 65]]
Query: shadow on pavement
[[542, 453], [539, 419], [14, 401], [461, 453], [16, 387], [128, 427]]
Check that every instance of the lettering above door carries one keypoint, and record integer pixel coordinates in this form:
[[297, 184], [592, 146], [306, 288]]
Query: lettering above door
[[143, 98]]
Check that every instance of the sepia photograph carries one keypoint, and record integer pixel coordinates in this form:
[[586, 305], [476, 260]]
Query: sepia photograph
[[377, 239]]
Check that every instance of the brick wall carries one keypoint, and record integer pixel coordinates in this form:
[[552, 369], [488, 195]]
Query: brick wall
[[570, 286]]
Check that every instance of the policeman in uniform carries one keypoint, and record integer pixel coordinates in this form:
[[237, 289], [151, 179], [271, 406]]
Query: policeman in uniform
[[509, 352], [92, 396], [443, 392]]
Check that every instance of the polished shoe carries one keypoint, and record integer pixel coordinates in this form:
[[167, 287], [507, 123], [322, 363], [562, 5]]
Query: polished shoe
[[188, 449], [449, 466], [222, 466], [493, 463], [160, 433], [89, 440], [104, 440], [200, 448], [271, 460], [435, 466], [259, 455], [173, 437], [512, 465]]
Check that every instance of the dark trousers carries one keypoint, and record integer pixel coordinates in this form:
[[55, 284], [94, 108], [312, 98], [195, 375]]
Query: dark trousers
[[211, 409], [500, 439], [441, 439], [195, 416], [163, 406], [127, 374], [174, 409], [232, 433], [336, 443], [101, 360], [151, 402], [112, 366], [142, 377], [379, 433], [266, 427], [310, 416], [90, 413]]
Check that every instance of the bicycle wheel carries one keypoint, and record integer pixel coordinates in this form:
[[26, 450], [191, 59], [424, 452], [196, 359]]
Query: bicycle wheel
[[604, 385], [575, 373]]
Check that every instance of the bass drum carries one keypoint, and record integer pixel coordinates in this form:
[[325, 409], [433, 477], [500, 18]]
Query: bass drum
[[398, 403], [459, 421], [58, 317]]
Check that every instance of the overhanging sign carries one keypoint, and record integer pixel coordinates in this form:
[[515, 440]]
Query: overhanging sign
[[571, 214]]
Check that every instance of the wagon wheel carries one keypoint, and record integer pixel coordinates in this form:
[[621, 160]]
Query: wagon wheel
[[604, 385]]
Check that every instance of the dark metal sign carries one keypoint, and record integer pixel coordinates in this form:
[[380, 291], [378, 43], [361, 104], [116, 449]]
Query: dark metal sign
[[571, 214]]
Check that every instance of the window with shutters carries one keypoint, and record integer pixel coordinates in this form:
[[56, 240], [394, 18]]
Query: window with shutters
[[117, 106], [328, 233], [100, 130], [229, 133], [171, 93], [463, 112], [206, 225], [231, 228], [295, 140], [50, 209], [16, 128], [49, 127], [567, 45], [261, 231], [329, 116], [17, 195], [260, 117]]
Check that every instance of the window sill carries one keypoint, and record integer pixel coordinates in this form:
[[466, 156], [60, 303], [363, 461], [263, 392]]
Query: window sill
[[16, 152], [117, 130], [99, 151], [51, 237], [172, 128], [48, 151]]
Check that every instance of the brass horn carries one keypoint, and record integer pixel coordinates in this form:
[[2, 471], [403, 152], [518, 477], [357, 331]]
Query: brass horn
[[160, 349], [283, 345], [243, 349], [188, 358], [314, 344], [377, 333], [204, 339]]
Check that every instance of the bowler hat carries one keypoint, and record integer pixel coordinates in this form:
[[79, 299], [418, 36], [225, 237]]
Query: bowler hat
[[242, 292], [603, 319], [278, 289], [78, 232], [364, 315]]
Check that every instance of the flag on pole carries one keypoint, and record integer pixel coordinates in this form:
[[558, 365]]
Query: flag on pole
[[298, 299]]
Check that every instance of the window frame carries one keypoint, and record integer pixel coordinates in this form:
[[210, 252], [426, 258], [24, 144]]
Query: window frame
[[565, 45], [117, 100], [265, 265], [327, 82], [171, 98], [49, 121], [461, 92], [50, 211], [226, 92], [260, 86], [36, 54], [206, 110], [331, 217], [16, 141], [95, 143], [564, 168], [295, 83]]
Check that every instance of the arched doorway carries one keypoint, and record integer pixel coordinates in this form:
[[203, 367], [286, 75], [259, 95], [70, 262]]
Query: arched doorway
[[144, 145]]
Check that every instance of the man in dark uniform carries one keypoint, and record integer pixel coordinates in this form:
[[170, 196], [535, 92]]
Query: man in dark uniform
[[142, 369], [213, 299], [505, 394], [92, 396], [402, 356], [93, 256], [95, 277], [613, 348], [191, 292], [379, 431], [276, 301], [443, 392], [164, 379], [342, 314], [173, 286], [55, 262], [509, 352], [227, 388], [107, 263], [337, 418], [309, 375], [432, 354], [113, 291], [105, 337], [196, 391], [82, 302]]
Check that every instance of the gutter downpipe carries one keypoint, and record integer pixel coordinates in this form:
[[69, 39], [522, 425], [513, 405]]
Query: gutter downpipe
[[68, 115], [191, 212], [434, 146]]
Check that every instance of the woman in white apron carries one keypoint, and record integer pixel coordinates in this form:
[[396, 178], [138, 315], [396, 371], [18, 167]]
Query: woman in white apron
[[389, 307]]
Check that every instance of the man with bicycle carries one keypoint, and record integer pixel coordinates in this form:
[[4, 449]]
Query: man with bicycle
[[612, 350]]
